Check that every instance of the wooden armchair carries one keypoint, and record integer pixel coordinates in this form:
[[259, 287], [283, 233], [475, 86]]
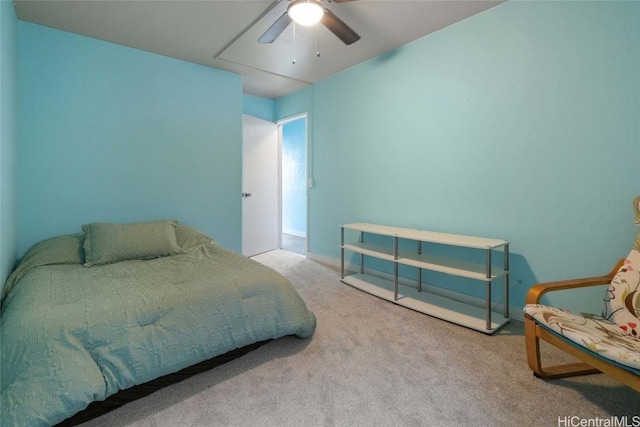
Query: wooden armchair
[[591, 363], [609, 343]]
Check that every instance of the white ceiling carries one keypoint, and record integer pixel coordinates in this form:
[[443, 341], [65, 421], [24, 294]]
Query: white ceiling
[[224, 33]]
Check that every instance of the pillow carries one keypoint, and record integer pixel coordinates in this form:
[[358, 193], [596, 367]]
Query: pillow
[[189, 237], [106, 243]]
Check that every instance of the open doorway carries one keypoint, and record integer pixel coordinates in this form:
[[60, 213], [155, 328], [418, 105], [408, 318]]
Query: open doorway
[[293, 132]]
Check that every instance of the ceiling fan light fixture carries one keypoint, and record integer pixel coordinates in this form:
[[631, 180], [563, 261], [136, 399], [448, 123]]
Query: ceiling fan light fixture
[[305, 12]]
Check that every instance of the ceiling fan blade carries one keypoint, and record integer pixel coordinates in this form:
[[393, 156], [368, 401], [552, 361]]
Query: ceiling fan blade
[[339, 28], [275, 29]]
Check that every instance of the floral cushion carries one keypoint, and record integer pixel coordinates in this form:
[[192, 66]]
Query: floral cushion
[[599, 335], [622, 300]]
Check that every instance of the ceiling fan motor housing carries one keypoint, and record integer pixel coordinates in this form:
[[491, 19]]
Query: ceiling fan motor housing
[[305, 12]]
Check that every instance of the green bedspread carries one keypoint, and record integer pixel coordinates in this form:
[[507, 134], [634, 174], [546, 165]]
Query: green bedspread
[[72, 335]]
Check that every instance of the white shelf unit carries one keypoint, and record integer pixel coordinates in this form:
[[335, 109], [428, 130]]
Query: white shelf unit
[[480, 318]]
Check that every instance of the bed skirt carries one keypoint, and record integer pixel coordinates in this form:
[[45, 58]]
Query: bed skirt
[[99, 408]]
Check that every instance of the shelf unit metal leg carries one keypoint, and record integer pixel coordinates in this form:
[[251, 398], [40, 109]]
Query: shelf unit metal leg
[[488, 325], [342, 252], [506, 281], [488, 275], [419, 269], [395, 269], [361, 255]]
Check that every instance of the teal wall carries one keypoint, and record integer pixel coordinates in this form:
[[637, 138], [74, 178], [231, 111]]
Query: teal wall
[[294, 104], [110, 133], [259, 107], [8, 138], [519, 123]]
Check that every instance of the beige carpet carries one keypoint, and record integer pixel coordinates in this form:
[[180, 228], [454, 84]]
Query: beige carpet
[[372, 363]]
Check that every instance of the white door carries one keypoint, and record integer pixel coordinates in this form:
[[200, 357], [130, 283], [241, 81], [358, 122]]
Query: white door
[[260, 201]]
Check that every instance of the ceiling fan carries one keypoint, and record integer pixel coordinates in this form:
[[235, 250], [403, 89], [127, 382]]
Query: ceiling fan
[[309, 12]]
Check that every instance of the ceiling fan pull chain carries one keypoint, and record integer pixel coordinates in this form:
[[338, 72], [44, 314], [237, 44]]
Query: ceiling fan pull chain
[[294, 43], [318, 37]]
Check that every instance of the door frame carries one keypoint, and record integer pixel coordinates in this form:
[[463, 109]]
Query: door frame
[[308, 179]]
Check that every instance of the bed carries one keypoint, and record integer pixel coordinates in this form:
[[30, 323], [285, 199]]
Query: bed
[[88, 315]]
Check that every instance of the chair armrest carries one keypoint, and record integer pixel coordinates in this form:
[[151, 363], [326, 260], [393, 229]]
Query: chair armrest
[[536, 292]]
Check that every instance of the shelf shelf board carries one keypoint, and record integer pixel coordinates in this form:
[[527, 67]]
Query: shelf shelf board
[[377, 251], [428, 236], [425, 261], [450, 266], [428, 303]]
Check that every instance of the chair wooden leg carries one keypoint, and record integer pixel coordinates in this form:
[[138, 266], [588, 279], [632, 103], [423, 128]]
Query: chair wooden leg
[[532, 334], [532, 343]]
